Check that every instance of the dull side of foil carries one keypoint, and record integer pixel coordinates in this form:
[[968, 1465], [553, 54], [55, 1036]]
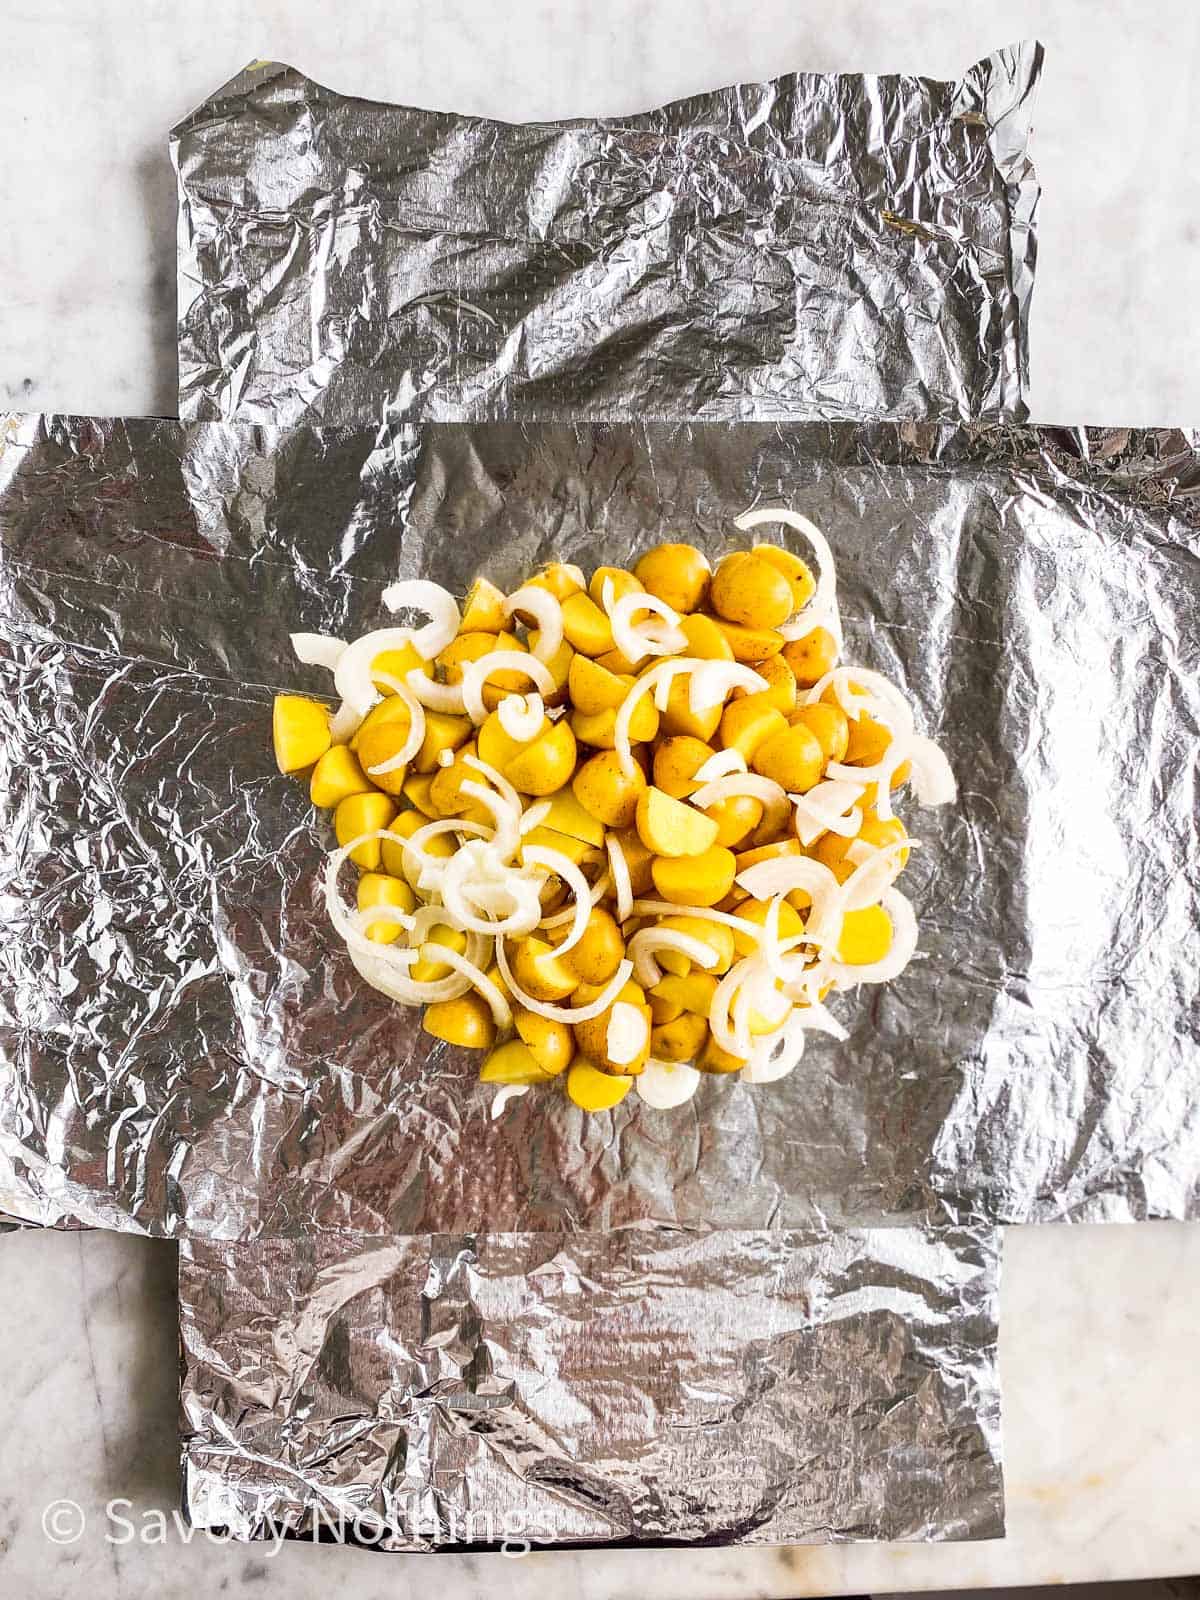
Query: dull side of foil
[[185, 1046], [811, 247], [451, 1392]]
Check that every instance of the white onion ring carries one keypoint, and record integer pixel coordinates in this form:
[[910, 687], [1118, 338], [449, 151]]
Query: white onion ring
[[646, 941], [932, 779], [476, 673], [720, 765], [597, 892], [415, 859], [660, 674], [533, 816], [479, 980], [438, 604], [354, 681], [664, 1085], [522, 715], [904, 944], [783, 874], [622, 882], [823, 606], [633, 643], [712, 682], [534, 601], [704, 913], [317, 649], [444, 697], [770, 794], [812, 818], [416, 727], [563, 1013], [505, 1093], [563, 867], [627, 1033]]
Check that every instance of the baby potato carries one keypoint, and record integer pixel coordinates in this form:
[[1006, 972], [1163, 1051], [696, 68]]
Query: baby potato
[[736, 818], [404, 826], [677, 573], [600, 730], [592, 1090], [397, 664], [427, 970], [781, 690], [566, 815], [380, 734], [550, 1043], [679, 718], [670, 828], [792, 758], [714, 934], [593, 688], [601, 950], [768, 852], [549, 839], [749, 722], [363, 813], [416, 791], [681, 1040], [694, 880], [466, 647], [811, 657], [866, 936], [513, 1062], [705, 638], [829, 725], [798, 573], [790, 923], [558, 666], [713, 1059], [606, 791], [483, 609], [445, 792], [546, 764], [442, 732], [623, 583], [637, 859], [692, 992], [336, 775], [616, 661], [830, 849], [591, 1035], [663, 1010], [375, 889], [466, 1021], [497, 747], [585, 626], [540, 972], [867, 741], [751, 645], [750, 591], [561, 579], [675, 762]]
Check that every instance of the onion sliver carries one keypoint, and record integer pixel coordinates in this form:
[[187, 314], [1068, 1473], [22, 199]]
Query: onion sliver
[[521, 715], [622, 882], [415, 859], [505, 1093], [597, 892], [720, 765], [533, 816], [904, 944], [715, 679], [627, 1033], [880, 774], [563, 867], [456, 892], [782, 874], [538, 603], [476, 674], [872, 877], [932, 779], [564, 1013], [497, 1004], [416, 728], [823, 606], [646, 941], [828, 807], [667, 1084], [407, 992], [772, 795], [665, 908], [632, 642], [776, 1055], [649, 681], [438, 604], [445, 697], [505, 810], [318, 649]]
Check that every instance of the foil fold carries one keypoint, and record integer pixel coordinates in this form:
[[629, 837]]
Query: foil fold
[[811, 247], [184, 1047], [635, 1387]]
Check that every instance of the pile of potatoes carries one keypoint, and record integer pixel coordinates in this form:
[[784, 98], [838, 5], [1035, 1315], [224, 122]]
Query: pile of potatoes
[[675, 852]]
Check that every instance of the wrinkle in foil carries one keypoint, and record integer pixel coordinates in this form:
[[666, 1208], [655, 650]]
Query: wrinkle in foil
[[639, 1386], [816, 246], [186, 1049]]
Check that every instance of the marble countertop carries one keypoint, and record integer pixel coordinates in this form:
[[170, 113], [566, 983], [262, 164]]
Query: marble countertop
[[1101, 1391]]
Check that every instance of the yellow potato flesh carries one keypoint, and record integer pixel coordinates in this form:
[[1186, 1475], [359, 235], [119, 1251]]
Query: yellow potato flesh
[[751, 645], [736, 818], [692, 992], [336, 776], [416, 791], [300, 731], [539, 972], [675, 764], [567, 815], [545, 765], [593, 1090], [638, 859], [866, 936], [558, 579], [781, 684], [442, 732], [670, 828], [404, 826], [375, 889], [867, 741], [466, 1022], [680, 1040], [397, 664], [363, 813], [483, 609], [601, 950], [593, 688], [606, 792], [829, 725], [513, 1062], [811, 657], [793, 758], [713, 1059], [705, 638], [676, 573], [663, 1010], [428, 971], [585, 626], [699, 880], [746, 723], [755, 911], [550, 1043], [680, 719], [600, 730], [623, 583]]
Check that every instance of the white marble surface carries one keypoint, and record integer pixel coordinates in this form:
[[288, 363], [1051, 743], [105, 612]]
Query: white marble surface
[[1102, 1414], [1102, 1394]]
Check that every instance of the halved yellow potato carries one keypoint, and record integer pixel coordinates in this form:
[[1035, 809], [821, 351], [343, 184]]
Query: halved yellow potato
[[300, 731], [695, 880], [593, 1090], [337, 775], [670, 828], [363, 813], [466, 1021], [513, 1062], [483, 609]]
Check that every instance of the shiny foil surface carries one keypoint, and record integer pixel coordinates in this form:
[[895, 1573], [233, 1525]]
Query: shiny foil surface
[[813, 247], [186, 1048], [637, 1386]]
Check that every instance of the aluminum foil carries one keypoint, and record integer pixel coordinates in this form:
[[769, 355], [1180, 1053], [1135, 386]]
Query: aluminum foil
[[634, 1386], [812, 247], [186, 1049]]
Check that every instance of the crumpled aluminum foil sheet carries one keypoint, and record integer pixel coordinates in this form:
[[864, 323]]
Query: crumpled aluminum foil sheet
[[811, 247], [639, 1386], [186, 1049]]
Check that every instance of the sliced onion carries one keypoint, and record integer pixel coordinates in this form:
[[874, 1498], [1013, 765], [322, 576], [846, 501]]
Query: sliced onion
[[634, 643], [904, 944], [622, 882], [664, 1085], [823, 607], [665, 908], [497, 1004], [422, 866], [538, 603], [438, 604], [880, 774], [457, 890], [858, 689], [660, 674], [736, 1039], [824, 809], [715, 679], [771, 794], [932, 779], [317, 649], [506, 814], [647, 940], [353, 679], [533, 816], [597, 892], [522, 715], [416, 727], [783, 874], [776, 1054], [563, 867], [872, 877], [407, 992], [720, 765], [505, 1093], [476, 674], [444, 697], [627, 1033], [563, 1013]]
